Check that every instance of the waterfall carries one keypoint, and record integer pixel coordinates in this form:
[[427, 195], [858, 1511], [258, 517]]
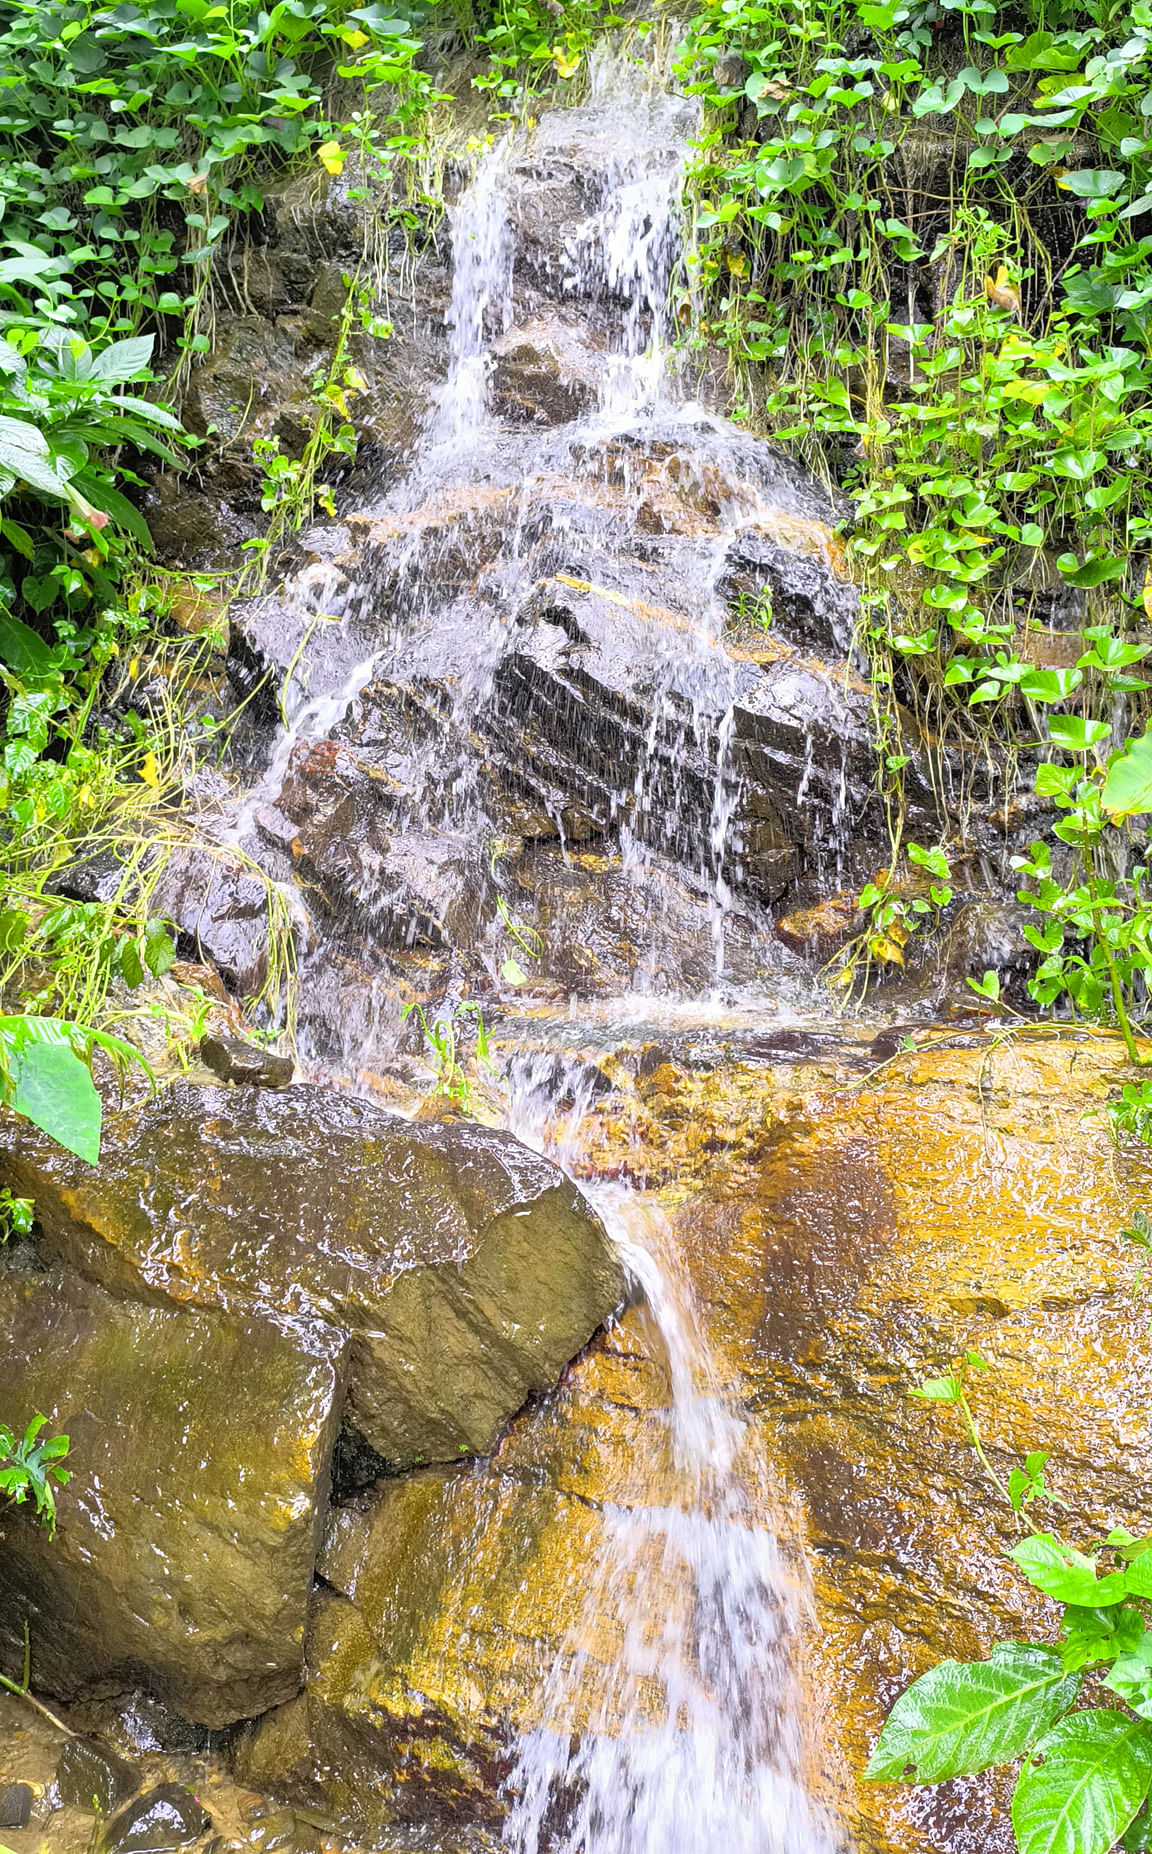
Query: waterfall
[[572, 226], [694, 1742]]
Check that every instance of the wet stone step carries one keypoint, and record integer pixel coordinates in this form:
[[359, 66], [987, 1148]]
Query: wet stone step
[[90, 1776], [166, 1817]]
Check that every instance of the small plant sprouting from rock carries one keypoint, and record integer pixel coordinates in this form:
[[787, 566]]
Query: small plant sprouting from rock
[[16, 1215], [442, 1041], [1086, 1772], [892, 914], [1131, 1112], [28, 1468]]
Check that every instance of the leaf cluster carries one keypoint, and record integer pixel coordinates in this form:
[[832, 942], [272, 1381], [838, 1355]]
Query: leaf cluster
[[28, 1468]]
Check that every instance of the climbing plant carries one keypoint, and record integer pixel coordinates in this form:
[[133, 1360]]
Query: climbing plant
[[1085, 1772], [923, 236], [135, 144]]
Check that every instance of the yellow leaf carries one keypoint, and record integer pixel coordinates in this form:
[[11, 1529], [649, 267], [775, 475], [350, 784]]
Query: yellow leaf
[[354, 39], [1032, 392], [567, 63], [1146, 595], [1001, 290], [332, 158], [150, 770], [737, 263], [134, 668], [354, 380], [882, 948]]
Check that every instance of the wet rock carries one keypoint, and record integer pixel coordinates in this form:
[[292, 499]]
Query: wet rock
[[807, 599], [861, 1242], [327, 303], [193, 526], [342, 819], [239, 390], [221, 909], [275, 1830], [987, 935], [544, 373], [468, 1270], [16, 1800], [823, 928], [90, 1776], [167, 1817], [236, 1061], [797, 727], [200, 1451], [409, 1712]]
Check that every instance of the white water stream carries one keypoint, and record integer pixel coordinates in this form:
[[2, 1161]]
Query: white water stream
[[696, 1745]]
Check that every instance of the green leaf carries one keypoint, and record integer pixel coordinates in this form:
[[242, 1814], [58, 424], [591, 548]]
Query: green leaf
[[22, 649], [1092, 183], [964, 1716], [939, 1390], [1127, 790], [130, 963], [159, 950], [123, 360], [1131, 1677], [1065, 1574], [1075, 733], [1099, 1634], [1096, 1772], [55, 1091]]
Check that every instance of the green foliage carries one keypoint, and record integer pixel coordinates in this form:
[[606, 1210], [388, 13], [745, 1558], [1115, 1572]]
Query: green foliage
[[893, 911], [969, 362], [28, 1468], [1086, 1774], [16, 1215], [45, 1075], [442, 1040], [135, 143], [962, 1718], [1084, 1786]]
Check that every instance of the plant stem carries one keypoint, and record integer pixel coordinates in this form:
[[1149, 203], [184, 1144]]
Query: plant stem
[[23, 1693]]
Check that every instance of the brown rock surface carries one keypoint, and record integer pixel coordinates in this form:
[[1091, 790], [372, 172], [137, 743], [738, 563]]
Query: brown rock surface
[[845, 1241], [200, 1450], [468, 1270]]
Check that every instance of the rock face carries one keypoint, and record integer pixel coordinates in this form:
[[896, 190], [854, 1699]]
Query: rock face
[[201, 1446], [844, 1245], [243, 1272], [451, 1597], [466, 1270]]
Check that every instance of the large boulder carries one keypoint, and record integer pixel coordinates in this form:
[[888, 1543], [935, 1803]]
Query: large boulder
[[450, 1596], [200, 1447], [845, 1241], [466, 1269]]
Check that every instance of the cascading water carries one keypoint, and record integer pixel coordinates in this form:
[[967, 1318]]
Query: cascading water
[[518, 543], [693, 1739]]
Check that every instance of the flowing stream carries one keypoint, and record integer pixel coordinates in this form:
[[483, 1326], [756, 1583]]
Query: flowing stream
[[692, 1738]]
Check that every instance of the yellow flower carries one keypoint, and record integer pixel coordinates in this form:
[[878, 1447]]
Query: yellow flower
[[150, 770]]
